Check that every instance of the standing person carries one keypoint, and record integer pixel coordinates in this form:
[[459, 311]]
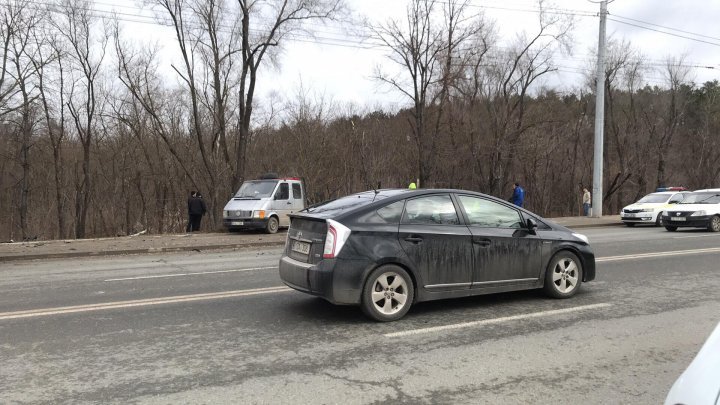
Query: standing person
[[197, 209], [586, 201], [189, 203], [518, 197]]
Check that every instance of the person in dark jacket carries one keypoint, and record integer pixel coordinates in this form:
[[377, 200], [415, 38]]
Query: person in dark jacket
[[196, 209], [188, 228], [518, 197]]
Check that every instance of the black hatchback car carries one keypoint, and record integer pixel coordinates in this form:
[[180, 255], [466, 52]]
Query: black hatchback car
[[387, 249]]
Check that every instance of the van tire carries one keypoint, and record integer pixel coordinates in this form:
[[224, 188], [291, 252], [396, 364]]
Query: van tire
[[272, 225]]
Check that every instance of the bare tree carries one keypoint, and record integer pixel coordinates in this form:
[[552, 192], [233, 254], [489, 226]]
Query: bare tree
[[426, 52], [77, 25]]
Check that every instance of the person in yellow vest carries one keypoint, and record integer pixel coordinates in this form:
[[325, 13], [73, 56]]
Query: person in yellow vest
[[412, 186]]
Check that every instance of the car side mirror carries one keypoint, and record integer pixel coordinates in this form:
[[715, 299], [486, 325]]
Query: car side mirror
[[531, 225]]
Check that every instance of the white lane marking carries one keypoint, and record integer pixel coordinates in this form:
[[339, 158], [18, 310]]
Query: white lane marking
[[497, 320], [191, 274], [140, 303], [656, 254], [696, 236]]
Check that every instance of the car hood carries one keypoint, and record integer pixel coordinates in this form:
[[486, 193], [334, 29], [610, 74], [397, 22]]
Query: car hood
[[693, 207], [245, 205], [700, 382], [640, 206]]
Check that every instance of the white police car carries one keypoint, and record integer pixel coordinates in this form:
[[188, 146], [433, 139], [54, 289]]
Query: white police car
[[649, 209], [699, 209]]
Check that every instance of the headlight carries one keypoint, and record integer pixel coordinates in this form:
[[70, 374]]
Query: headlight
[[698, 213], [226, 214], [647, 210], [581, 237], [259, 214]]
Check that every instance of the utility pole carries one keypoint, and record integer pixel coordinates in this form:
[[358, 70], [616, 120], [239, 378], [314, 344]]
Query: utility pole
[[597, 194]]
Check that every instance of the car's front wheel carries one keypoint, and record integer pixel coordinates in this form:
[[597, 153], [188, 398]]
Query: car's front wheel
[[272, 225], [388, 293], [563, 276], [658, 221], [714, 225]]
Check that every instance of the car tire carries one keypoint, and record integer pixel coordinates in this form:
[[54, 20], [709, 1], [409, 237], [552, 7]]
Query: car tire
[[671, 228], [714, 224], [630, 224], [563, 276], [387, 294], [658, 221], [272, 225]]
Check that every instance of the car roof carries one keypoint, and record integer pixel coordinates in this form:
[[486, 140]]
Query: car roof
[[707, 190]]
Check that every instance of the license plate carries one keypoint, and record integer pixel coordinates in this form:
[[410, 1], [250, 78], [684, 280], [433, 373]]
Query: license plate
[[301, 247], [630, 215], [678, 219], [237, 223]]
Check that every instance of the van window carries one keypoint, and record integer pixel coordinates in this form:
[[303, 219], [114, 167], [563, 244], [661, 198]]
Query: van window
[[297, 192], [283, 192]]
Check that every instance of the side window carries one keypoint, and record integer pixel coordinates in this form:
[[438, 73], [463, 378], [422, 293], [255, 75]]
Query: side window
[[676, 198], [432, 210], [481, 212], [297, 192], [283, 193], [391, 213]]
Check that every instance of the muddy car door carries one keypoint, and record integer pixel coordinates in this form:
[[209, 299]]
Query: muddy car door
[[504, 251], [437, 243]]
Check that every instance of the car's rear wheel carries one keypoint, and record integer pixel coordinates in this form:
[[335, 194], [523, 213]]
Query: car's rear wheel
[[272, 225], [564, 275], [630, 224], [671, 228], [388, 293], [714, 225], [658, 221]]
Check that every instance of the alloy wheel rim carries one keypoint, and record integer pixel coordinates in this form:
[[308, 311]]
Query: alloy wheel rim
[[716, 223], [389, 293], [565, 275]]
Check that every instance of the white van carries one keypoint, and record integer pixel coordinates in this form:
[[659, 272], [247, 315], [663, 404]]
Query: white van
[[264, 204]]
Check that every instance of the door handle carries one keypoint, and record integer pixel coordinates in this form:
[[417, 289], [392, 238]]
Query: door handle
[[414, 239], [289, 202], [481, 242]]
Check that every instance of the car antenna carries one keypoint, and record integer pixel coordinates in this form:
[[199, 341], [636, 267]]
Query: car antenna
[[377, 191]]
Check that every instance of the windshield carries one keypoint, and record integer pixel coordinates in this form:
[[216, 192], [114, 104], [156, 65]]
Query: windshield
[[653, 198], [256, 189], [702, 198]]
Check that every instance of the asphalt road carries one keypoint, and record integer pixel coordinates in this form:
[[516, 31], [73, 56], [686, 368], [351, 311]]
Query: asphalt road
[[221, 328]]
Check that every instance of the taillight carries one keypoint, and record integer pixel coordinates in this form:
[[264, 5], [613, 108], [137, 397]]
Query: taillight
[[337, 235]]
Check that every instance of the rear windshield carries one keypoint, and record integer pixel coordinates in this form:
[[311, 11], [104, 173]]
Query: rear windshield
[[343, 204], [702, 198], [654, 198], [256, 189]]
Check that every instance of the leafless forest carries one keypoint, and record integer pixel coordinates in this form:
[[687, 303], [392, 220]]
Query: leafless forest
[[95, 141]]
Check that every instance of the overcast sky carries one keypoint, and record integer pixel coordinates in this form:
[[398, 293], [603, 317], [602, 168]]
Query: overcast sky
[[343, 72]]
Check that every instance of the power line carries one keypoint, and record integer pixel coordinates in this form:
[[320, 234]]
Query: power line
[[666, 27], [664, 32]]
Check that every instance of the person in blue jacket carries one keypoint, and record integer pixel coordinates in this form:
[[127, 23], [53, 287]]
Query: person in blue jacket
[[518, 196]]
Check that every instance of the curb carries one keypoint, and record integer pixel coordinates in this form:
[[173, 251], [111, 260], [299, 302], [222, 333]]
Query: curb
[[68, 255]]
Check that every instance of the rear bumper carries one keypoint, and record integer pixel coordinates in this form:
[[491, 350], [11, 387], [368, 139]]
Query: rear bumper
[[690, 222], [343, 286]]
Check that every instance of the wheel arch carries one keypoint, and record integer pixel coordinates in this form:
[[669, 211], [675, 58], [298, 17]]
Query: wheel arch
[[396, 262], [572, 249]]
